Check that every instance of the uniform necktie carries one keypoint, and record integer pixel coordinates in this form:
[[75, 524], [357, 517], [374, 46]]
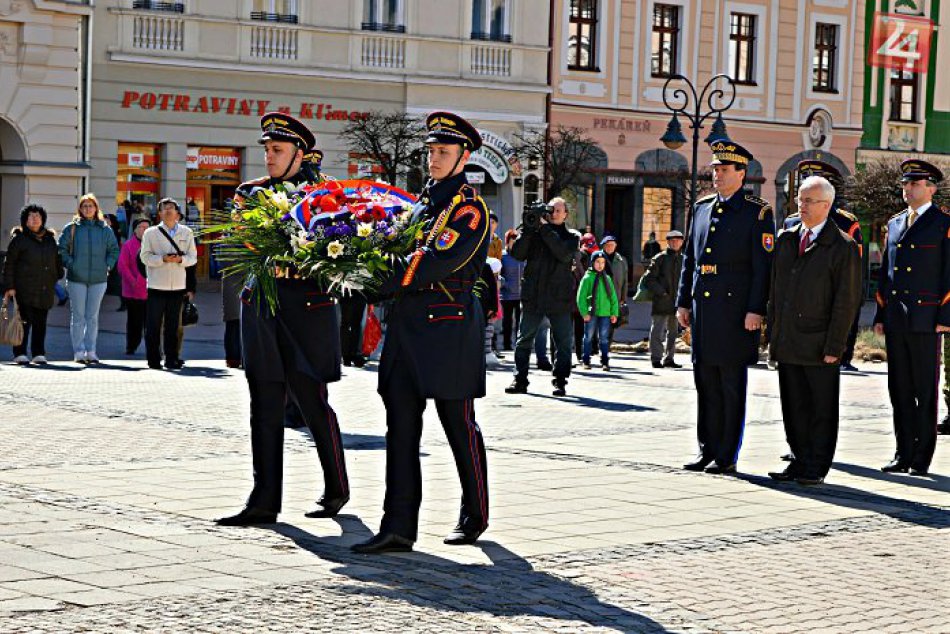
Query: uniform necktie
[[911, 217], [805, 241]]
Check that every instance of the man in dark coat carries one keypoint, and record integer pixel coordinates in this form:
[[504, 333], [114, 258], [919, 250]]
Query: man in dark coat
[[913, 312], [547, 290], [815, 292], [723, 294], [293, 352], [434, 346], [845, 220], [662, 280]]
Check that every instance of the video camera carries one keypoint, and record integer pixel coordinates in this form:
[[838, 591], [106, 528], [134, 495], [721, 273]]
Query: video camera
[[533, 213]]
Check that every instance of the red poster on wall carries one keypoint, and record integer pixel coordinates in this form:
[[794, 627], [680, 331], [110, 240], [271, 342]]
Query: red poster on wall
[[900, 42]]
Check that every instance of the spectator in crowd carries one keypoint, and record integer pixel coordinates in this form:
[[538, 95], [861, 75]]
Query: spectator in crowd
[[89, 251], [598, 306], [662, 280], [114, 280], [134, 287], [512, 270], [487, 291], [495, 246], [619, 271], [588, 246], [578, 268], [30, 272], [191, 289], [547, 290], [650, 248], [815, 291], [352, 309], [167, 250]]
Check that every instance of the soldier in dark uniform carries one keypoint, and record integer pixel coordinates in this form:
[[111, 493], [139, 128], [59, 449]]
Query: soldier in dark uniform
[[723, 295], [845, 220], [292, 353], [434, 343], [913, 312]]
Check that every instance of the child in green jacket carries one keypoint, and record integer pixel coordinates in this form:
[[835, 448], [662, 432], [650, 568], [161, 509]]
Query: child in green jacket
[[599, 306]]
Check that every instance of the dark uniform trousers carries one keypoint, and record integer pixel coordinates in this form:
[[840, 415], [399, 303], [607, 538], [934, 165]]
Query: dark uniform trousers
[[404, 408], [810, 413], [913, 380], [721, 396]]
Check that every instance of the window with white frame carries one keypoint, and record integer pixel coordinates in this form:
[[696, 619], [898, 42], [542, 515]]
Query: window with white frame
[[490, 20], [905, 86], [664, 60], [824, 68], [152, 5], [383, 15], [275, 11], [742, 47]]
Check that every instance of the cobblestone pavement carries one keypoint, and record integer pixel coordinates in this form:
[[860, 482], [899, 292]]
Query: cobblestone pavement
[[109, 476]]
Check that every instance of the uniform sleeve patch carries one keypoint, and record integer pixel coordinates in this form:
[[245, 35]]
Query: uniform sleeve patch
[[446, 239], [768, 242], [469, 210]]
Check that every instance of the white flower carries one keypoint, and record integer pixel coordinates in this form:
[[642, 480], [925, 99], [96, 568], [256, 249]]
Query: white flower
[[335, 249], [364, 229], [281, 201]]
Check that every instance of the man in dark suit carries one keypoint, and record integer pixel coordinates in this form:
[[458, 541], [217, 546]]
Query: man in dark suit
[[435, 343], [814, 294], [845, 220], [913, 312], [723, 294], [291, 353]]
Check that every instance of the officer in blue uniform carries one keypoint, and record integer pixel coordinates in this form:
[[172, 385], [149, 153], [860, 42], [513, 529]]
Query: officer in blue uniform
[[723, 296], [845, 220], [913, 312], [314, 159], [434, 343], [291, 354]]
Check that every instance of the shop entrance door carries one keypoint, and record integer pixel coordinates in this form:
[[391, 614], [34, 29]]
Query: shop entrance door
[[620, 220]]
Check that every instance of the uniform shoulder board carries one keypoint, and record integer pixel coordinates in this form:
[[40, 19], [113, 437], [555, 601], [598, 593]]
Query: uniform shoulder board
[[847, 214], [761, 202], [706, 198]]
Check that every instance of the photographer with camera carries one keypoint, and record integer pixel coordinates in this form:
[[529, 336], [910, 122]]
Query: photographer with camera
[[547, 247]]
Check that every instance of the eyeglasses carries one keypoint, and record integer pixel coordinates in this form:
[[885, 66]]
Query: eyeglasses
[[811, 201]]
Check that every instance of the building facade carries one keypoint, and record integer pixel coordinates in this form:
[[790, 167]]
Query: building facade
[[799, 80], [178, 87], [43, 113]]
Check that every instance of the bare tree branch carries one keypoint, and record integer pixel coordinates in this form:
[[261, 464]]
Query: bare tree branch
[[563, 155], [390, 140]]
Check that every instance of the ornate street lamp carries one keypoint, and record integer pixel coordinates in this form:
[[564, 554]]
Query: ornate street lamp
[[684, 100]]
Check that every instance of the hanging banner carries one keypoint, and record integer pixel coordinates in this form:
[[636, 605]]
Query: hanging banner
[[900, 42]]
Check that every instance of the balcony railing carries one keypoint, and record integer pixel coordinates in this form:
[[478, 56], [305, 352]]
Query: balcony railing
[[274, 17], [383, 52], [149, 5], [158, 32], [383, 26], [271, 42], [494, 61]]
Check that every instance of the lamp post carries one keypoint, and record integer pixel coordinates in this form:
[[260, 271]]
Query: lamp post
[[684, 100]]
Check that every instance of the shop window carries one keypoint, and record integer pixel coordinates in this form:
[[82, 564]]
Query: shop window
[[383, 15], [742, 48], [582, 36], [825, 63], [904, 95], [139, 176], [666, 29], [657, 213], [490, 20], [532, 189], [275, 11], [151, 5]]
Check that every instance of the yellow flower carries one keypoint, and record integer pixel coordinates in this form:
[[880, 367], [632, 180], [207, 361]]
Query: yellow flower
[[364, 229], [335, 249]]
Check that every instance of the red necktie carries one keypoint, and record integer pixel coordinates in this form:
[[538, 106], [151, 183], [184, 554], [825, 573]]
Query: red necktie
[[806, 240]]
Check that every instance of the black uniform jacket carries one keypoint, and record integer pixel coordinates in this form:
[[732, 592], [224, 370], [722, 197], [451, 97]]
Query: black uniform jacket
[[303, 334], [914, 280], [436, 327], [726, 273], [814, 297]]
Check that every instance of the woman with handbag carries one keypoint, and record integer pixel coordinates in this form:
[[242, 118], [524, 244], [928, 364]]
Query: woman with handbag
[[134, 289], [30, 272], [89, 251]]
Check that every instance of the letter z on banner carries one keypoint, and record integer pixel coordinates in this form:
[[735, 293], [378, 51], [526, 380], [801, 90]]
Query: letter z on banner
[[900, 42]]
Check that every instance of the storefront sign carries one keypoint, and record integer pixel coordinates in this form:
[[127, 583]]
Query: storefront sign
[[136, 160], [475, 178], [503, 148], [490, 161], [627, 125], [212, 158], [204, 104], [621, 180]]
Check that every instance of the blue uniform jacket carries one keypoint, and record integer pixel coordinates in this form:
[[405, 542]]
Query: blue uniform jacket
[[436, 327], [726, 272], [914, 279]]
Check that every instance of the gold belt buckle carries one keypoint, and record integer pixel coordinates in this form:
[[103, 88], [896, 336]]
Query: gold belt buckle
[[707, 269]]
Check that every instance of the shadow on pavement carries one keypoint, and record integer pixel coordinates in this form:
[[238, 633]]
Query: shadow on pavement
[[587, 401], [849, 497], [509, 587], [933, 481]]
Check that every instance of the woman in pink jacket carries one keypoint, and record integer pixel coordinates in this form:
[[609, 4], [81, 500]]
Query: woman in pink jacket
[[134, 288]]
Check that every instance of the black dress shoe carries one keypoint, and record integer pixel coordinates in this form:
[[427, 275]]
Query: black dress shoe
[[383, 543], [248, 517], [545, 366], [329, 507], [918, 471], [174, 365], [849, 367], [943, 427], [809, 481], [155, 366], [788, 457], [894, 467], [669, 363], [782, 476], [656, 364], [697, 465], [721, 469], [517, 387], [461, 535]]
